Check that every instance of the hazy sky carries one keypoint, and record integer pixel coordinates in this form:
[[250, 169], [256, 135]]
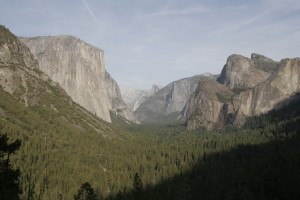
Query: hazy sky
[[159, 41]]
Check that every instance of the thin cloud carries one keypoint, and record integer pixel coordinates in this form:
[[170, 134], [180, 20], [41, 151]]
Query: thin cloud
[[92, 14], [185, 11]]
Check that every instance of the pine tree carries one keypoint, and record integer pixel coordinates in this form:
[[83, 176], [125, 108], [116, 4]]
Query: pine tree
[[137, 184], [86, 192], [9, 178]]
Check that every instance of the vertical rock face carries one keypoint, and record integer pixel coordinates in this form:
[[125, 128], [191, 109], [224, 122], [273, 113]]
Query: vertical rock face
[[168, 103], [281, 86], [80, 70], [214, 105], [244, 73], [206, 105]]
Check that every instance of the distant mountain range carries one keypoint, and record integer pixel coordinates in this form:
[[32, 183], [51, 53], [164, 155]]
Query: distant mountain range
[[246, 86]]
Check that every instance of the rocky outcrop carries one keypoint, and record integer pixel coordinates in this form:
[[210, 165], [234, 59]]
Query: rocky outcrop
[[243, 73], [135, 97], [80, 70], [167, 104], [206, 105], [214, 105], [281, 86], [18, 69]]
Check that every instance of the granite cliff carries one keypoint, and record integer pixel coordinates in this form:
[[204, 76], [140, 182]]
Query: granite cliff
[[205, 106], [246, 87], [282, 86], [243, 73], [32, 101], [166, 105], [80, 70]]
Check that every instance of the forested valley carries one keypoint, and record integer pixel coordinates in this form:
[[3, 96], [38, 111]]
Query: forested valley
[[258, 161]]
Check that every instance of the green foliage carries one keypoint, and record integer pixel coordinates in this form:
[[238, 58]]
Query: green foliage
[[262, 164], [239, 90], [224, 97], [5, 35], [60, 149], [9, 177], [155, 118]]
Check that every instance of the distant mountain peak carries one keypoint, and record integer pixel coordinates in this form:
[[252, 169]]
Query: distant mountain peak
[[135, 97]]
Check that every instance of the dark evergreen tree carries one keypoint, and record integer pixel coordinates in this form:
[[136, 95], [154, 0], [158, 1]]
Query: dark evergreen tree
[[9, 178], [137, 184], [86, 192]]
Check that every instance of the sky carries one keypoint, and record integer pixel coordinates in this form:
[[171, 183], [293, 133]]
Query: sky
[[159, 41]]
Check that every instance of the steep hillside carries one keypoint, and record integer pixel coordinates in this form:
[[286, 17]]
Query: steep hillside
[[254, 87], [80, 70], [56, 133], [165, 105]]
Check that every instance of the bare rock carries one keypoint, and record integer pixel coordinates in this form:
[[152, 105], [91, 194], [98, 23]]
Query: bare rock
[[281, 86], [243, 73], [80, 70], [207, 105], [214, 105]]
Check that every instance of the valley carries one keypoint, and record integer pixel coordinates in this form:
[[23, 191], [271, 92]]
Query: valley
[[229, 136]]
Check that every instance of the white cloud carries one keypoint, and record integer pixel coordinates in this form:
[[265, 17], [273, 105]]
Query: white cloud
[[92, 14]]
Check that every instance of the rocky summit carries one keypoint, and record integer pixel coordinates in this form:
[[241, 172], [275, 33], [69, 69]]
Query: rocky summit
[[280, 88], [243, 73], [246, 87], [80, 70]]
